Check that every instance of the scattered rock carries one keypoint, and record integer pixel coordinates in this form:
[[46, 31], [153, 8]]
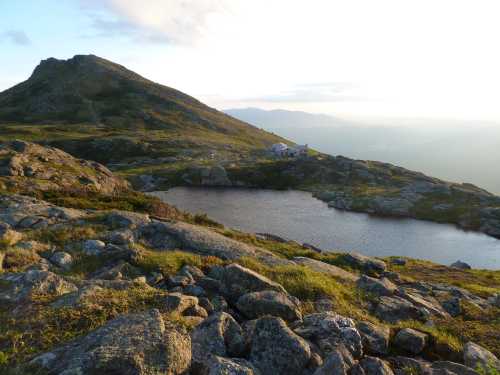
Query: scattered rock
[[372, 366], [126, 220], [233, 366], [326, 268], [218, 335], [370, 265], [140, 344], [476, 356], [378, 287], [395, 309], [410, 340], [62, 259], [93, 247], [375, 338], [399, 261], [178, 303], [455, 368], [276, 349], [338, 362], [256, 304]]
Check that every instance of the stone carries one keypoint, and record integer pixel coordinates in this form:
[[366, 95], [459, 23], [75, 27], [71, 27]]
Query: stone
[[120, 237], [326, 268], [257, 304], [399, 261], [338, 362], [22, 286], [194, 290], [93, 247], [452, 306], [237, 280], [375, 338], [455, 368], [178, 303], [328, 330], [62, 259], [475, 356], [196, 311], [372, 366], [233, 366], [377, 287], [405, 365], [410, 340], [140, 344], [370, 265], [191, 271], [218, 335], [276, 349], [493, 300], [395, 309], [126, 220], [461, 265]]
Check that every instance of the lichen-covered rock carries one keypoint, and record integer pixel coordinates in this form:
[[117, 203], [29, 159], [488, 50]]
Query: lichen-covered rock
[[233, 366], [372, 366], [126, 219], [93, 247], [218, 335], [237, 280], [140, 344], [455, 368], [395, 309], [326, 268], [256, 304], [370, 265], [410, 340], [475, 356], [461, 265], [338, 362], [378, 287], [179, 303], [375, 338], [17, 287], [62, 259], [328, 330], [276, 349]]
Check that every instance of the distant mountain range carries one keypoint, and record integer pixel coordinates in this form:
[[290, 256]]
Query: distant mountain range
[[456, 153]]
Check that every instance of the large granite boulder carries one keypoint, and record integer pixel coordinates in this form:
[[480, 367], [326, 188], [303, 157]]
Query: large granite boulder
[[139, 344], [276, 349], [338, 362], [477, 357], [395, 309], [269, 302], [377, 287], [370, 265], [372, 366], [410, 340], [375, 338]]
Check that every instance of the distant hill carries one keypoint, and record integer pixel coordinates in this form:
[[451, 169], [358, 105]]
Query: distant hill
[[96, 99], [456, 152]]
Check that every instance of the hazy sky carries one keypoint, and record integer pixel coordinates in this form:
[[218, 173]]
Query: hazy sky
[[362, 58]]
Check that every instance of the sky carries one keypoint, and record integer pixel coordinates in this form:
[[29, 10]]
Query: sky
[[365, 59]]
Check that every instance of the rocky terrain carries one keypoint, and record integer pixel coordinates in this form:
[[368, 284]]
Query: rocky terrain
[[107, 291], [157, 137]]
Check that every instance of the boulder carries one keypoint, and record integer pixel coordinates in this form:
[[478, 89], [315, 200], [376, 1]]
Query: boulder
[[140, 344], [395, 309], [328, 330], [22, 286], [126, 219], [399, 261], [375, 338], [218, 335], [276, 349], [338, 362], [372, 366], [257, 304], [178, 303], [493, 300], [370, 265], [62, 259], [233, 366], [93, 247], [237, 280], [455, 368], [377, 287], [476, 356], [461, 265], [410, 340], [405, 365]]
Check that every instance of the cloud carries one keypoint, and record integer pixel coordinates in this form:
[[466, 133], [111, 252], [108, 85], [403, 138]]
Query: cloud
[[18, 37], [180, 22]]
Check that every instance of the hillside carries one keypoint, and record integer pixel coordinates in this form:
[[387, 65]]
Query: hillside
[[89, 289], [100, 110]]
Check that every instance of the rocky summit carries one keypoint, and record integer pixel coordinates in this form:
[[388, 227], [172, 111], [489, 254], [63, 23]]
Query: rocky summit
[[127, 285]]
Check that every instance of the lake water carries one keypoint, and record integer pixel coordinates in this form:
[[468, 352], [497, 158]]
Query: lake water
[[298, 216]]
